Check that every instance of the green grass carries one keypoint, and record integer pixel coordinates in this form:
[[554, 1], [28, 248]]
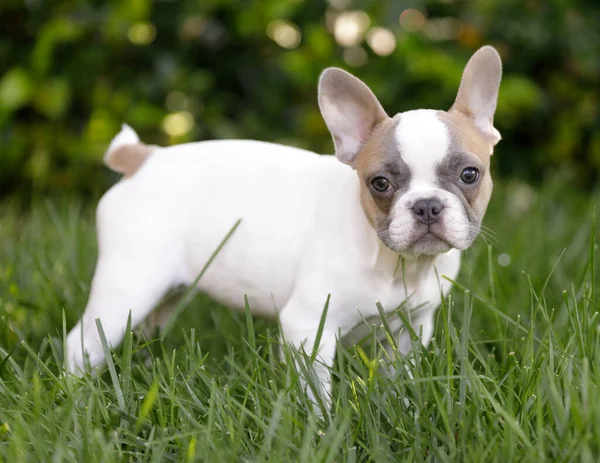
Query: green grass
[[511, 374]]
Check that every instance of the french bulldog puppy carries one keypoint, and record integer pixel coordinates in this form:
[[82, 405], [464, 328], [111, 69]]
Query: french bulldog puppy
[[383, 221]]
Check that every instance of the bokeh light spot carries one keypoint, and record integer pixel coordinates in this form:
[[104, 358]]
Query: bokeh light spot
[[355, 56], [178, 124], [350, 27], [504, 260], [192, 27], [442, 28], [142, 33], [381, 40], [177, 101], [284, 33], [412, 20]]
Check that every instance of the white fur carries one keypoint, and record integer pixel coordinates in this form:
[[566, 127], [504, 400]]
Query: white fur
[[303, 236], [424, 141]]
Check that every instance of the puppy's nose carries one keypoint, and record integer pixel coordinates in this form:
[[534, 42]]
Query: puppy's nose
[[427, 211]]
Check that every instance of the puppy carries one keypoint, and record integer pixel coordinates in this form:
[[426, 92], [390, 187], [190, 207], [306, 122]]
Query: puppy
[[382, 221]]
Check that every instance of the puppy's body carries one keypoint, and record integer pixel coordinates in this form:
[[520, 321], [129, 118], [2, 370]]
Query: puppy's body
[[386, 224], [303, 235]]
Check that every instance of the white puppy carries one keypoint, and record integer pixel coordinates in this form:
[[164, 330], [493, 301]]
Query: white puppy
[[382, 221]]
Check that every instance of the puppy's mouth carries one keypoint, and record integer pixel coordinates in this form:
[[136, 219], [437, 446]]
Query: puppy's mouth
[[430, 242], [424, 240]]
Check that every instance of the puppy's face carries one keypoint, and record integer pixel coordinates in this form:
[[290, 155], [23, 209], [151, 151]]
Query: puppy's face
[[424, 174], [425, 181]]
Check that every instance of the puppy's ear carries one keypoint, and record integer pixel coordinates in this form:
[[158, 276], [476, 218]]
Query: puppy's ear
[[478, 92], [350, 111]]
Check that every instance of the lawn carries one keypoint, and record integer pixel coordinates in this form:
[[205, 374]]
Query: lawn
[[511, 374]]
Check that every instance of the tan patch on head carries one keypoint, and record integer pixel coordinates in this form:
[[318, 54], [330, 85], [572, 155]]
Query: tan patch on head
[[466, 138], [378, 155], [464, 135], [127, 159]]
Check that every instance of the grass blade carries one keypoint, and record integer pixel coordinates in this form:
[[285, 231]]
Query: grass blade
[[126, 359], [319, 335], [249, 324], [147, 405], [189, 293], [111, 366]]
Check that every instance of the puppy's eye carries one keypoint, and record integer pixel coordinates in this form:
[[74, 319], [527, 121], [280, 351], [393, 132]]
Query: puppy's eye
[[380, 184], [469, 175]]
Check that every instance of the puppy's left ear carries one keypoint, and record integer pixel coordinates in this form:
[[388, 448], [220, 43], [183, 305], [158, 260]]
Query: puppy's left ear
[[478, 92], [350, 110]]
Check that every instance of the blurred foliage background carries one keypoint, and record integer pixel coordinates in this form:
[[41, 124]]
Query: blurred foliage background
[[72, 71]]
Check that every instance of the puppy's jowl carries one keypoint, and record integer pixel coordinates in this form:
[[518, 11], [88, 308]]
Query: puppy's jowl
[[413, 187]]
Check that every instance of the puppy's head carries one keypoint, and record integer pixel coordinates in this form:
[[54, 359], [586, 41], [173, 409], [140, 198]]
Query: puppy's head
[[424, 175]]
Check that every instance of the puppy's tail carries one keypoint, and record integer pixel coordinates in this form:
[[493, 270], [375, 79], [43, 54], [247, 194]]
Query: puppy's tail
[[126, 153]]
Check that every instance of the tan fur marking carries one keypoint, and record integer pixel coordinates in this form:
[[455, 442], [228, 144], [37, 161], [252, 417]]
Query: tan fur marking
[[465, 137], [370, 158], [128, 159]]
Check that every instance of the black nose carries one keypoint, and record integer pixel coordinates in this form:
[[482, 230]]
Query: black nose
[[427, 210]]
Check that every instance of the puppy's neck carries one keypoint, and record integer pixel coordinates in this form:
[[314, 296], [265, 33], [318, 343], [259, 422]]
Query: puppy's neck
[[399, 266]]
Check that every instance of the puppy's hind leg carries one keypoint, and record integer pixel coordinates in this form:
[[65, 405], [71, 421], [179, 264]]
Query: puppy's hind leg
[[157, 320], [120, 285], [301, 333]]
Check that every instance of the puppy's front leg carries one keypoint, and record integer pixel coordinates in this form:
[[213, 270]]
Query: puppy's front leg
[[299, 328], [422, 324]]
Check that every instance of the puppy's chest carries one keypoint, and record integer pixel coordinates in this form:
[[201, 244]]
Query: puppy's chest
[[414, 288], [411, 294], [394, 293]]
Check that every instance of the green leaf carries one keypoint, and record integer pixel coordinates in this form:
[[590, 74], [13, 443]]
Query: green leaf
[[53, 98], [147, 405], [57, 31], [16, 89]]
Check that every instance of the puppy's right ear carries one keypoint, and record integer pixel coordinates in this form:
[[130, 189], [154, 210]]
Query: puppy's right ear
[[350, 110], [478, 93]]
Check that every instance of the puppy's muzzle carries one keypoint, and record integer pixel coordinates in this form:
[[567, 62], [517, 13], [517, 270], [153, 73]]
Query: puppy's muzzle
[[428, 210]]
